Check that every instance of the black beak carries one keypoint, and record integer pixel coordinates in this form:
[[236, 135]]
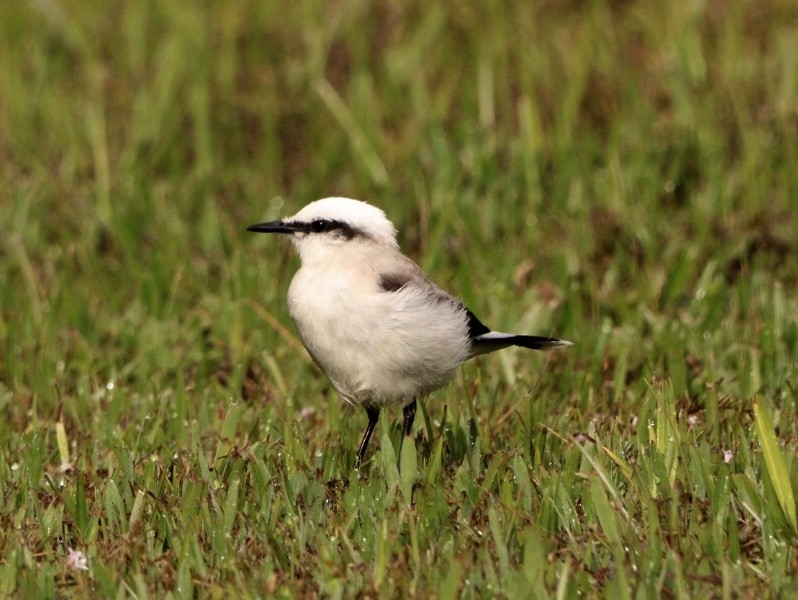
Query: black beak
[[273, 227]]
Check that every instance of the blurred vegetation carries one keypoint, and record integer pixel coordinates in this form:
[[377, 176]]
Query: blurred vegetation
[[622, 174]]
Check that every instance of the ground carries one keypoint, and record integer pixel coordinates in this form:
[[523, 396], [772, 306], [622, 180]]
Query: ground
[[622, 175]]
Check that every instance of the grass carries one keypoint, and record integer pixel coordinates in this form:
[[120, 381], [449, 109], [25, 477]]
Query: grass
[[621, 175]]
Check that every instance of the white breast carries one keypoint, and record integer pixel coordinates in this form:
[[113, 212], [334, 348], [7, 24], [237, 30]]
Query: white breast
[[377, 347]]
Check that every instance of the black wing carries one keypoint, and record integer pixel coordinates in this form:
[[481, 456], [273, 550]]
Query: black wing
[[476, 327]]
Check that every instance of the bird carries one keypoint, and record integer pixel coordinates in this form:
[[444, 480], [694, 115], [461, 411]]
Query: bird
[[381, 331]]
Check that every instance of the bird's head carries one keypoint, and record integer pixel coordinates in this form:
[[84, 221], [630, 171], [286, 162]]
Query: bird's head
[[331, 223]]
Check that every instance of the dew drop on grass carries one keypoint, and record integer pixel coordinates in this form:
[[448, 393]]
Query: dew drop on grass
[[110, 385]]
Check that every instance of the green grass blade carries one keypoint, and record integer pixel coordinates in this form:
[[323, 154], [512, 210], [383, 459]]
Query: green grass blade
[[774, 462], [229, 428], [604, 512], [408, 471]]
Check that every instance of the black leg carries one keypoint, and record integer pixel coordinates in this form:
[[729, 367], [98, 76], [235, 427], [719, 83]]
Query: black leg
[[373, 414], [409, 413]]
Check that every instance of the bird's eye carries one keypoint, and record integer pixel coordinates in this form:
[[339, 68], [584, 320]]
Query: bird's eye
[[318, 226]]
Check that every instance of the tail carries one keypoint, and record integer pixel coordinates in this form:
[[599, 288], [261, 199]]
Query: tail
[[495, 340]]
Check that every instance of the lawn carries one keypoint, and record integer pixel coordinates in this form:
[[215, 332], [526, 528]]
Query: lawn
[[620, 174]]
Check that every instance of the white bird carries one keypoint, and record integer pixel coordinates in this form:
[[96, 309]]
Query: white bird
[[381, 331]]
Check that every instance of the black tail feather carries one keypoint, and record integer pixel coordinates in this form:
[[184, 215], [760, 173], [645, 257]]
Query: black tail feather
[[494, 340], [537, 342]]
